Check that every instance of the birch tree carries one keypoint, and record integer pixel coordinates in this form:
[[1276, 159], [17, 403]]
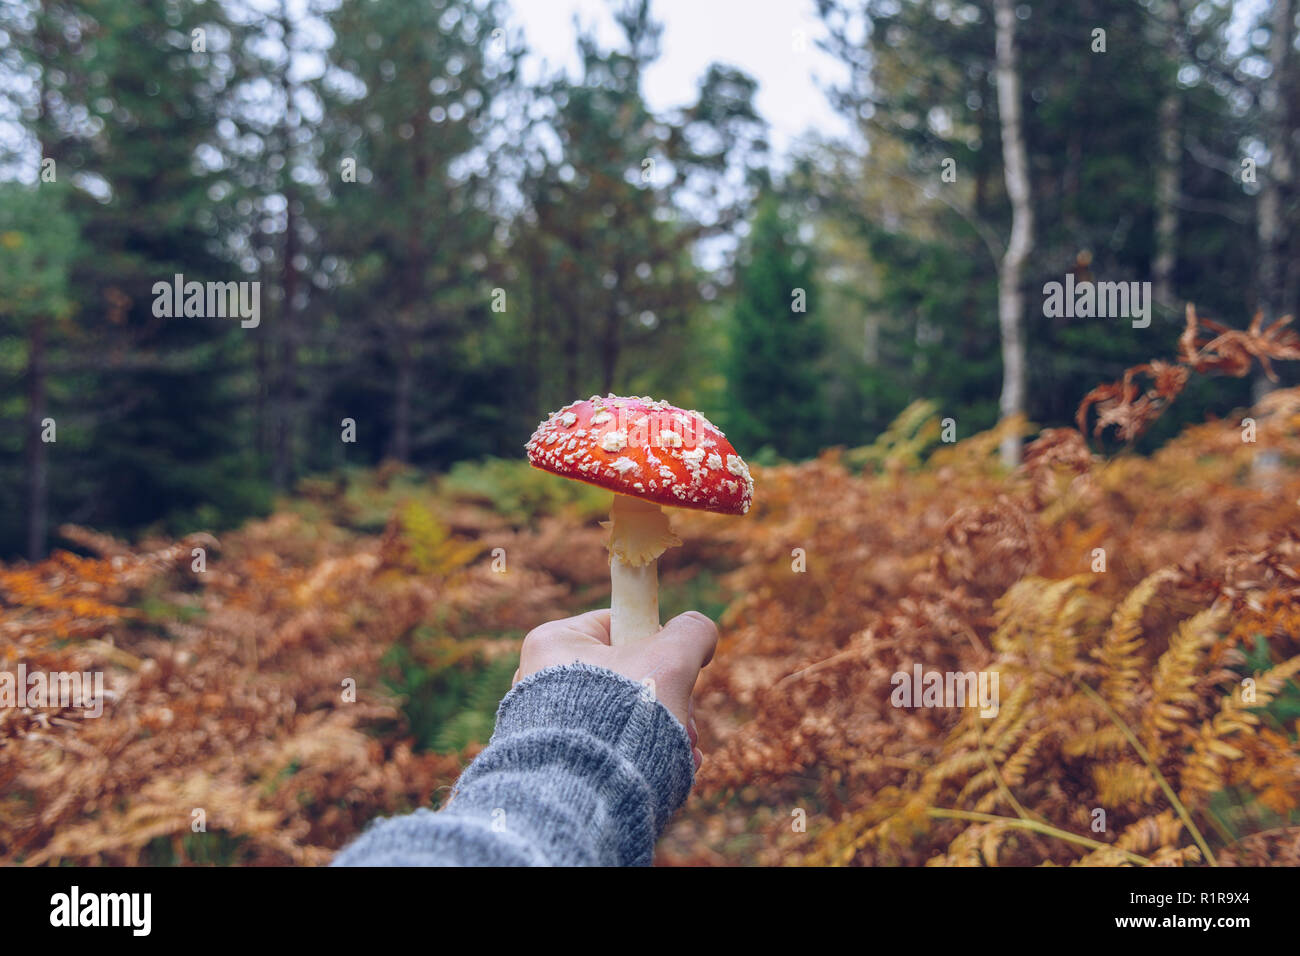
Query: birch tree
[[1168, 178], [1011, 302], [1275, 185]]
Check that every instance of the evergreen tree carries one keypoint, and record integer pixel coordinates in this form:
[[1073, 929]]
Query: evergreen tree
[[774, 378], [123, 102], [615, 213], [409, 98], [38, 242]]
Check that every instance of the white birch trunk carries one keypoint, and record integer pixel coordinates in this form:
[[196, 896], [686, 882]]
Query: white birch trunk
[[1011, 301]]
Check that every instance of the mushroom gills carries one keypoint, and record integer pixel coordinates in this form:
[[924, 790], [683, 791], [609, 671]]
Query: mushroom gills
[[638, 534]]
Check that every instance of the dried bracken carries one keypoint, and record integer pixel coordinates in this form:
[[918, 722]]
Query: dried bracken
[[1130, 408], [1142, 616]]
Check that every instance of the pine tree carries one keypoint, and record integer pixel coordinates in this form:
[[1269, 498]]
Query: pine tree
[[38, 241], [409, 97], [775, 395], [124, 106], [615, 215]]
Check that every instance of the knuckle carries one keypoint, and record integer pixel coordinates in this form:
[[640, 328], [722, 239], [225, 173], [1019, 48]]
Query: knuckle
[[701, 620], [538, 639]]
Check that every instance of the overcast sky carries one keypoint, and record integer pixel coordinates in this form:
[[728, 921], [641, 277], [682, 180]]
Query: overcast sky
[[758, 36]]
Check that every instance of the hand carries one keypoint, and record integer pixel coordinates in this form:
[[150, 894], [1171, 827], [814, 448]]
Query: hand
[[671, 658]]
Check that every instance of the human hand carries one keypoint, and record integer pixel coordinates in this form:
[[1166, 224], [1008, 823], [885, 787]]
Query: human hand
[[672, 658]]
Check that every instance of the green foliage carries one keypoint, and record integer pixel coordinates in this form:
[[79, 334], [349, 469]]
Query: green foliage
[[904, 443], [699, 591], [429, 545], [923, 94], [1282, 711], [473, 723], [448, 250], [213, 848], [149, 420], [450, 694], [423, 81], [613, 218], [360, 499], [38, 243], [520, 493], [774, 376]]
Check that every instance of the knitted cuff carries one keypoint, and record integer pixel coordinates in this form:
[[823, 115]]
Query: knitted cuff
[[617, 711]]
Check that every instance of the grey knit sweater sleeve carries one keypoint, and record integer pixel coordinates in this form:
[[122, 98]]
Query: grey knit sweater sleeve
[[584, 768]]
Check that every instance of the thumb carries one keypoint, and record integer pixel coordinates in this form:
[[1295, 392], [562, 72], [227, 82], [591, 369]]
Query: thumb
[[692, 636]]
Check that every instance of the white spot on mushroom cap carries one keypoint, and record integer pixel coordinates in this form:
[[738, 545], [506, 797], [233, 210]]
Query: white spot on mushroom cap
[[613, 440]]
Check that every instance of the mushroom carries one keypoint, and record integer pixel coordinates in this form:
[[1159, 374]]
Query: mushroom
[[650, 454]]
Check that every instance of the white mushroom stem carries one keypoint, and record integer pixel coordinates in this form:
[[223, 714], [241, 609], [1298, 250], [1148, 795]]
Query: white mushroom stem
[[634, 601], [638, 535]]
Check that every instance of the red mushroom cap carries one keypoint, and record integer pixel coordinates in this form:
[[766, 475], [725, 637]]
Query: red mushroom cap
[[645, 449]]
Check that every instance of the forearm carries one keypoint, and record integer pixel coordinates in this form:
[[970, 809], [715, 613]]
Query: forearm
[[584, 768]]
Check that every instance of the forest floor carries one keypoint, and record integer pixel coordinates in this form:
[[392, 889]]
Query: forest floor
[[273, 690]]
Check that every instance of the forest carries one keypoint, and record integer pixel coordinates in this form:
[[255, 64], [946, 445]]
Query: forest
[[285, 286]]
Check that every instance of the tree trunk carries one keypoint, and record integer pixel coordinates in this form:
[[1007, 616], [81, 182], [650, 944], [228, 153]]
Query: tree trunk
[[285, 355], [572, 348], [262, 366], [1274, 184], [1271, 230], [37, 454], [1169, 172], [1167, 188], [286, 358], [1011, 303], [415, 322], [609, 354], [404, 391]]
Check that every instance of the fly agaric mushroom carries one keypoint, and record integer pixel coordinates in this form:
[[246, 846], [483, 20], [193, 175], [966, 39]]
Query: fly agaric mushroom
[[649, 454]]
